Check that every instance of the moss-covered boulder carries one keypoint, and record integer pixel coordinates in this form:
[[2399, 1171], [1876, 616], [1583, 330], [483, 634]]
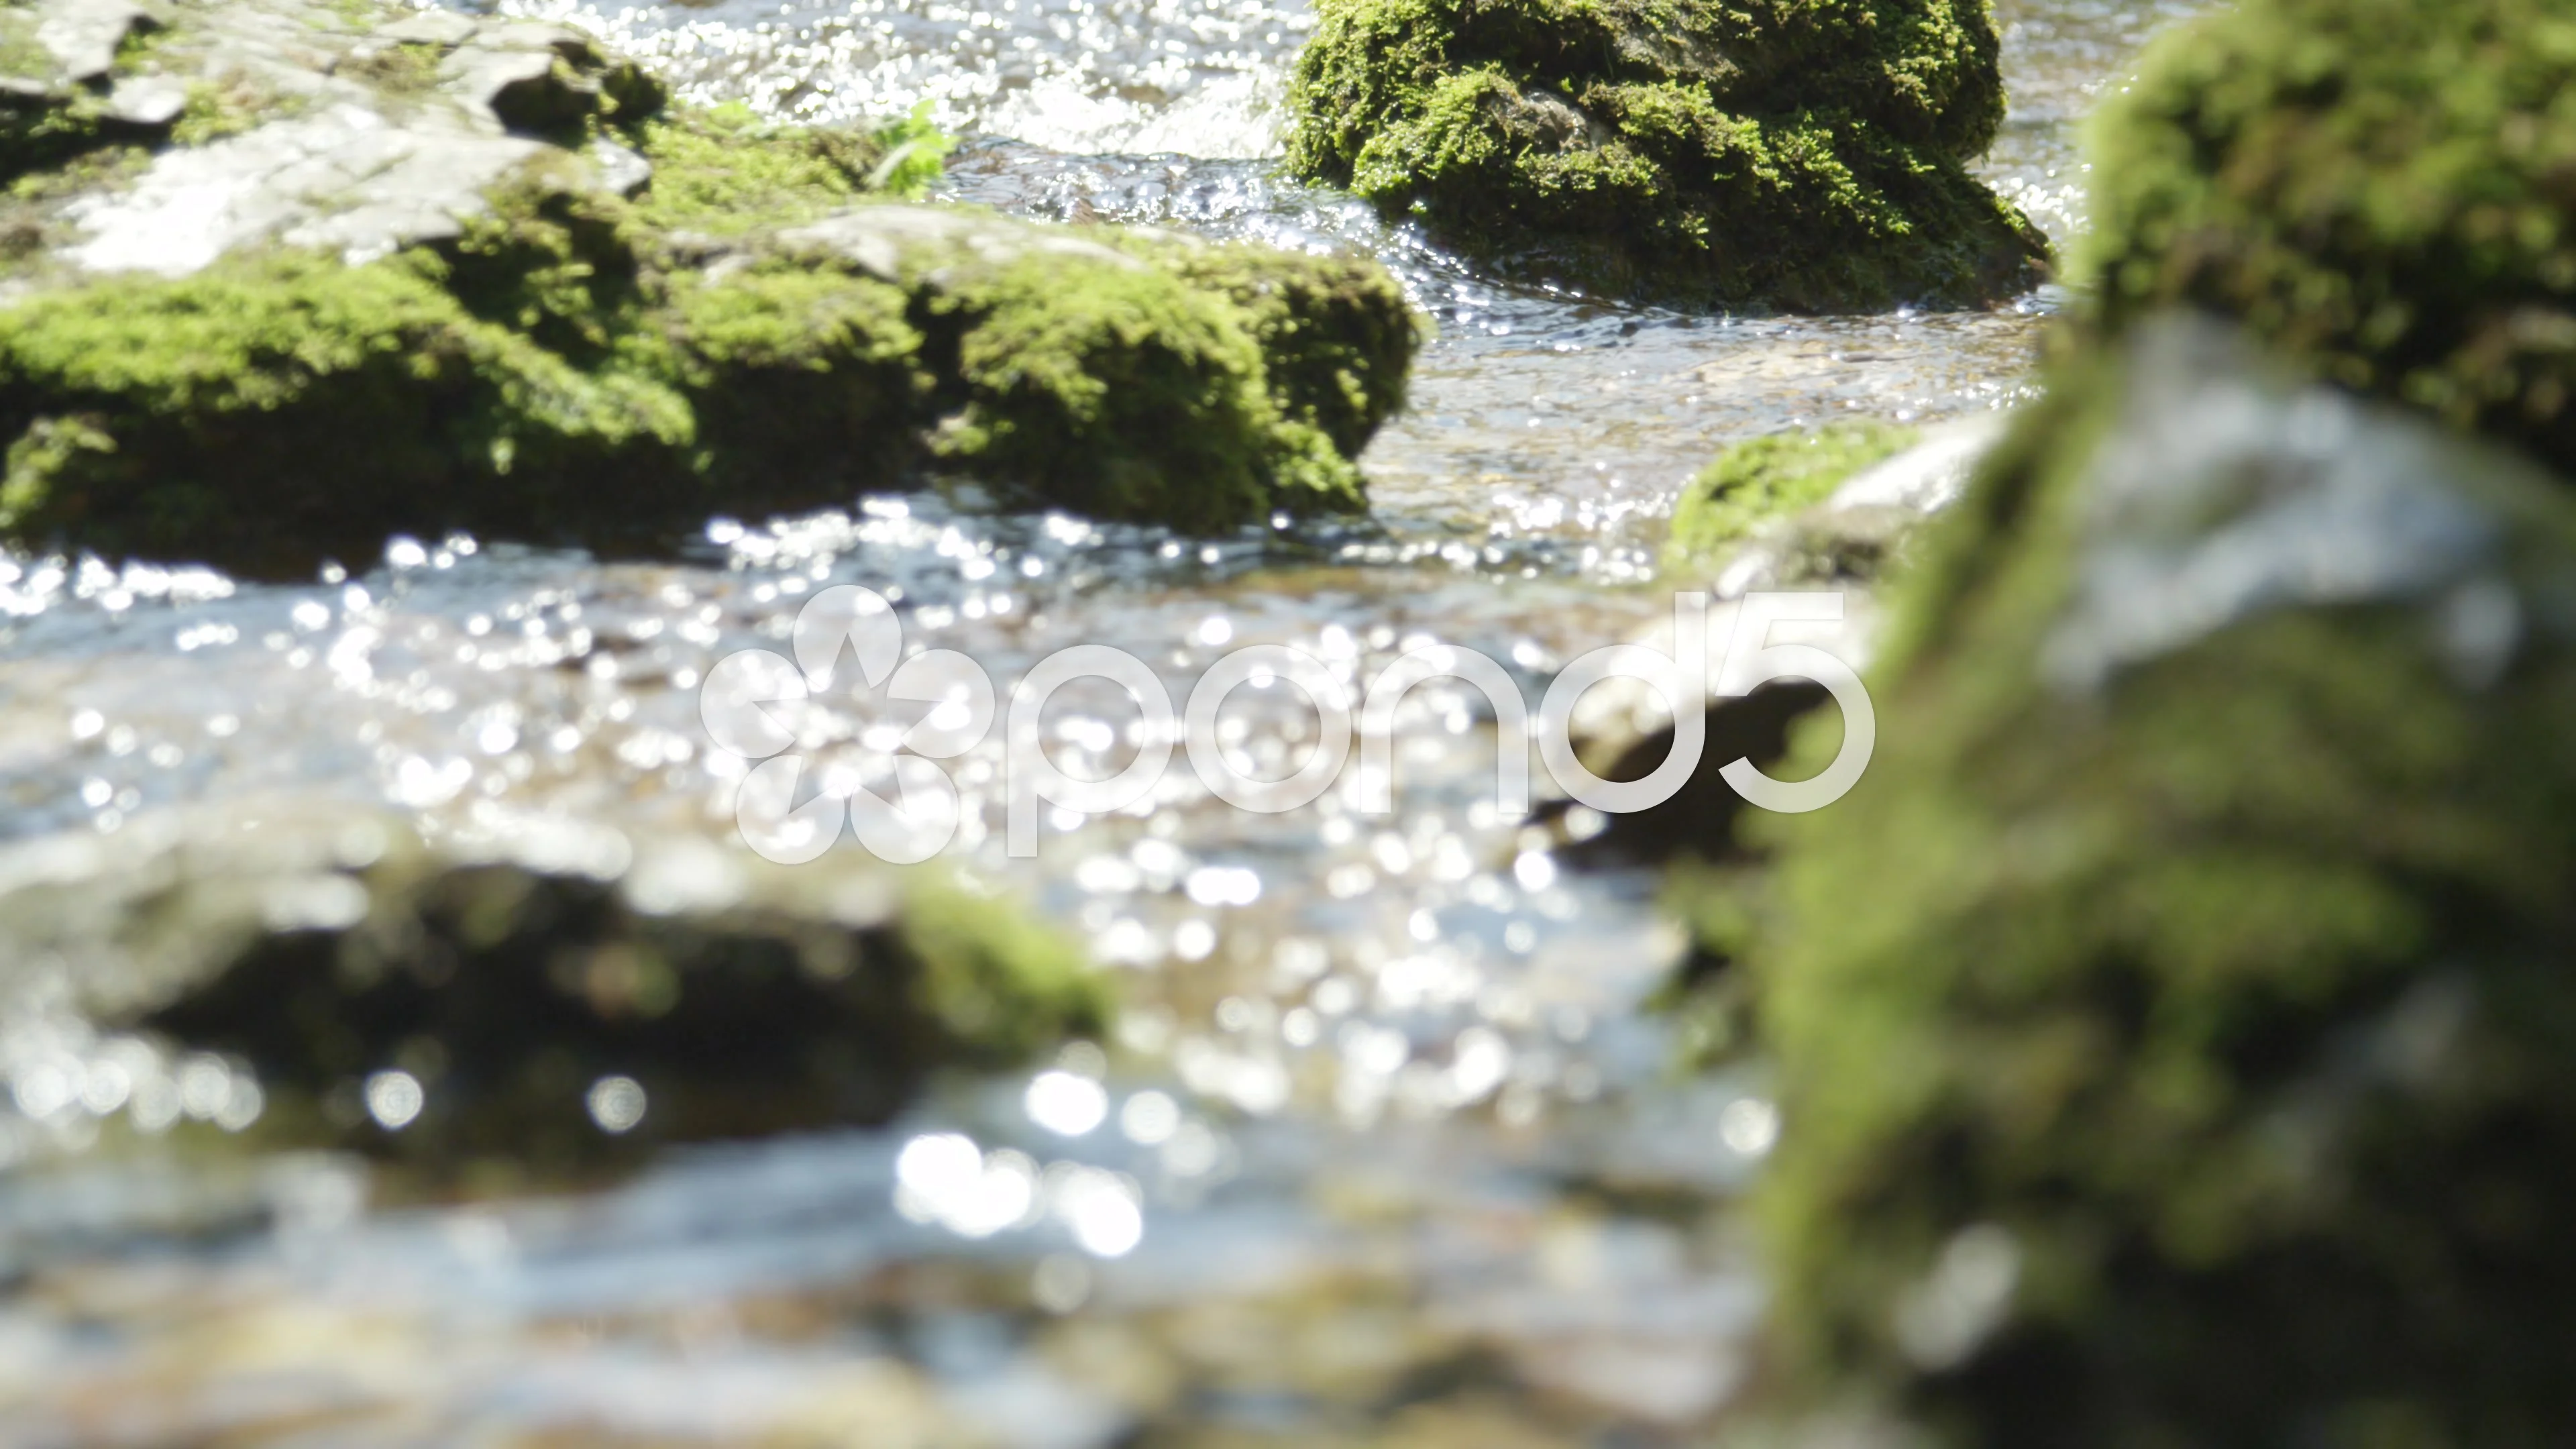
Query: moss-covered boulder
[[2378, 188], [1804, 154], [2174, 1027], [423, 273], [541, 1000]]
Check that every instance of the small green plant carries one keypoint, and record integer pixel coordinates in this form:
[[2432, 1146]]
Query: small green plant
[[916, 154]]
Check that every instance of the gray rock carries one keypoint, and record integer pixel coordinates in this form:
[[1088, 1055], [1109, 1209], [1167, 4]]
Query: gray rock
[[2323, 499], [310, 944], [1927, 477], [150, 100], [1848, 539], [521, 90], [621, 169], [86, 899], [345, 179], [1841, 546], [430, 27], [564, 41], [891, 241], [84, 35]]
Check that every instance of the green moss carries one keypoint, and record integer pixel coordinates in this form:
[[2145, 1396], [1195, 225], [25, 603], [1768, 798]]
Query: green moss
[[630, 95], [38, 134], [555, 264], [266, 412], [217, 109], [991, 974], [1772, 477], [2172, 1026], [1809, 154], [22, 56], [90, 171], [514, 385], [1336, 331], [788, 319], [2375, 187], [800, 379], [723, 170]]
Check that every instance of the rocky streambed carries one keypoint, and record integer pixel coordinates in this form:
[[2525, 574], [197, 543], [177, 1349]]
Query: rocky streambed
[[1369, 1133]]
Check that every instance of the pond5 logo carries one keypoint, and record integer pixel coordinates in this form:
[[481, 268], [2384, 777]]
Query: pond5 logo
[[764, 708], [768, 710]]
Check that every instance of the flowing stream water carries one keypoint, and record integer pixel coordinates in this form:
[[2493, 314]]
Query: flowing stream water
[[1385, 1148]]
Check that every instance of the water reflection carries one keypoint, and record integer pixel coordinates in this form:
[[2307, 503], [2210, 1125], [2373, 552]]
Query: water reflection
[[1383, 1137]]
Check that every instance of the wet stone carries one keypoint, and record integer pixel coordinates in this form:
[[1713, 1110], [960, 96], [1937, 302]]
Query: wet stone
[[430, 27], [340, 180], [84, 35], [148, 101], [1861, 536]]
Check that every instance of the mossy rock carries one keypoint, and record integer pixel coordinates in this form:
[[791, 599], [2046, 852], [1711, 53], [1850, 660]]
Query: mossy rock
[[2173, 1026], [1806, 154], [1767, 479], [723, 997], [586, 317], [2377, 188]]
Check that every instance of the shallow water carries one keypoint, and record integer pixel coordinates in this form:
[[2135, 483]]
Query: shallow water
[[1388, 1148]]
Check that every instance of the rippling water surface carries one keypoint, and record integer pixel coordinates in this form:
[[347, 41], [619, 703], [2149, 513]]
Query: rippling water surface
[[1385, 1148]]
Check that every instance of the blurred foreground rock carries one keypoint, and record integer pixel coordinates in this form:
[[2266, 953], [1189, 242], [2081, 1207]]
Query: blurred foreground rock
[[2174, 1027], [2378, 191]]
